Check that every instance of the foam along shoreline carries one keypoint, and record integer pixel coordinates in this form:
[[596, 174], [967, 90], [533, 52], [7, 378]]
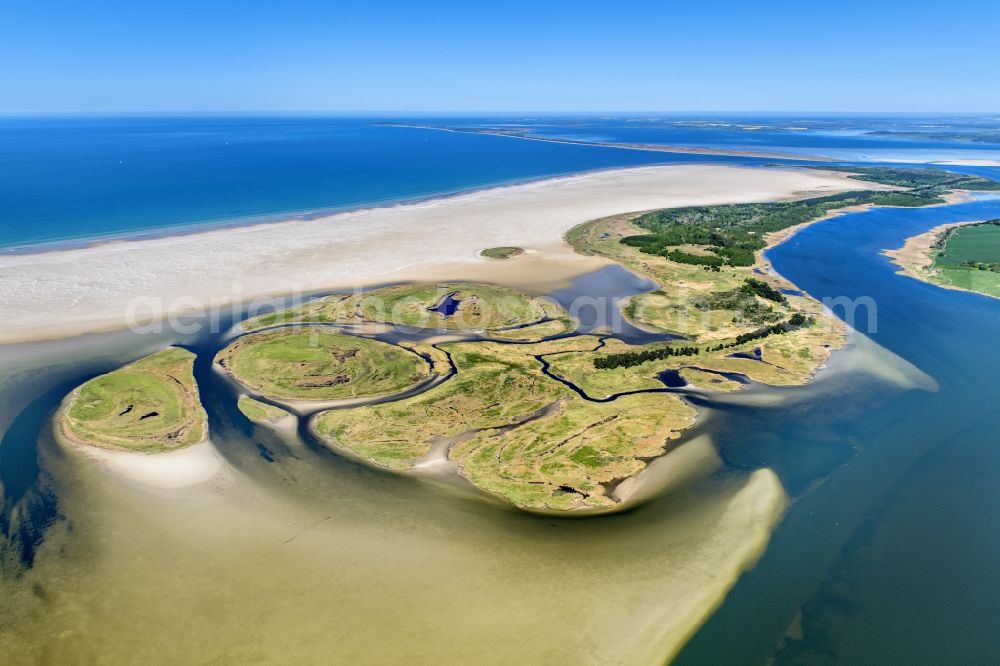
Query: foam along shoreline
[[107, 287]]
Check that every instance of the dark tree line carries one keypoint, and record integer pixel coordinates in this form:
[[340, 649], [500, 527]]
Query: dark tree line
[[735, 232], [764, 290], [795, 322], [630, 359]]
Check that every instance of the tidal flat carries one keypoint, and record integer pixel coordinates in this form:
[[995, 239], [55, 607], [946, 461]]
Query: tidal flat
[[294, 549]]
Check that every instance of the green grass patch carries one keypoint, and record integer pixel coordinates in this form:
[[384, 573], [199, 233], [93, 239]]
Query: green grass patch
[[504, 252], [971, 279], [971, 244], [454, 306], [514, 431], [315, 364], [150, 406], [259, 412], [968, 257]]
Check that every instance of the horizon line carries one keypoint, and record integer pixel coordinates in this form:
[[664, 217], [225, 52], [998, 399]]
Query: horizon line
[[476, 112]]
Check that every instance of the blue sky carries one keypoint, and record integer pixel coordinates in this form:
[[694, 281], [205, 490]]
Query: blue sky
[[309, 55]]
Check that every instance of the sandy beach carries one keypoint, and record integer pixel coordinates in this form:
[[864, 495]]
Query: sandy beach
[[915, 258], [192, 466], [108, 286]]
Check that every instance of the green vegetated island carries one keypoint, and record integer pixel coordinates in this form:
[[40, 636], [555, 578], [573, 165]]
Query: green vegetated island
[[301, 363], [957, 256], [150, 406], [259, 412], [503, 252], [524, 407], [490, 309]]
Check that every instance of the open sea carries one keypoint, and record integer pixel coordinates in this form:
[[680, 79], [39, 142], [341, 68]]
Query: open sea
[[64, 179], [78, 178]]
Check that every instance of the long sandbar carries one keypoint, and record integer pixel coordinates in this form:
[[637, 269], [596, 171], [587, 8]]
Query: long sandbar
[[72, 291]]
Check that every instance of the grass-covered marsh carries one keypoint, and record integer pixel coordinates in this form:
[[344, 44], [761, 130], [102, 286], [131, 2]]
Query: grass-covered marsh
[[315, 363], [149, 406]]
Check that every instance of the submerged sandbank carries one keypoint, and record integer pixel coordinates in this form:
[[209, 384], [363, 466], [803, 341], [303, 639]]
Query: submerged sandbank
[[102, 287], [191, 466], [299, 576]]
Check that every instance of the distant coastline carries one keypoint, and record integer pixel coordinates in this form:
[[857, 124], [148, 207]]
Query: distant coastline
[[648, 147]]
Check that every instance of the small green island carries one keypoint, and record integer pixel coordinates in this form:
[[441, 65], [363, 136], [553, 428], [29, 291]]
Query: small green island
[[956, 256], [259, 412], [310, 363], [496, 381], [494, 310], [503, 252], [150, 406]]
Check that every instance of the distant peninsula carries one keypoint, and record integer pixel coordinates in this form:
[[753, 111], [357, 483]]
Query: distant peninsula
[[524, 133]]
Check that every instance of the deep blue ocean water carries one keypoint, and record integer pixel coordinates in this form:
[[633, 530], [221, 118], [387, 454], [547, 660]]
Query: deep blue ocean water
[[76, 178]]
